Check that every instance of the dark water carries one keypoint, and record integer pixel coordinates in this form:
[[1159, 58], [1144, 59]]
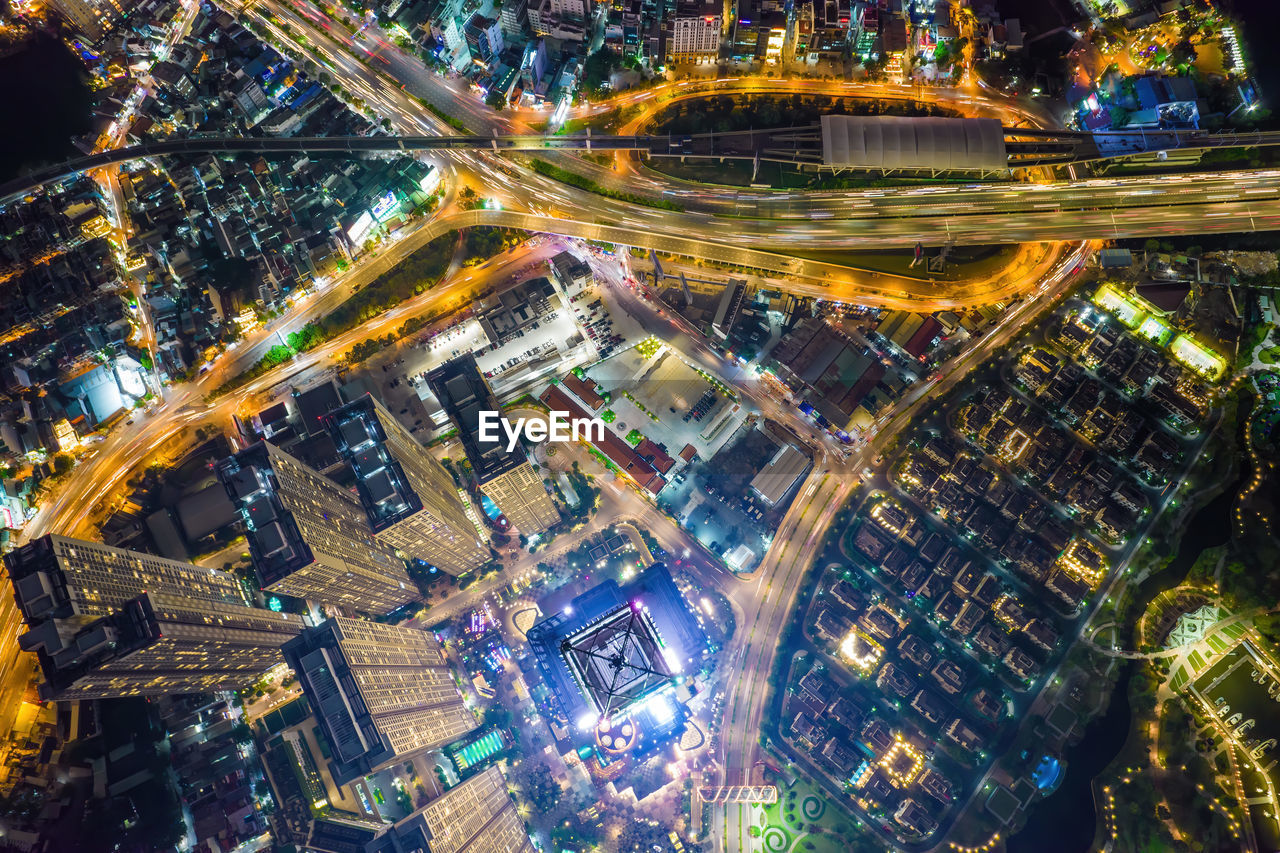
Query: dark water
[[1257, 19], [44, 102], [1065, 822], [1209, 528]]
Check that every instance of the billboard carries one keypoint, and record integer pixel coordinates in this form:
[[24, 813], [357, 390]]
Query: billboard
[[386, 207]]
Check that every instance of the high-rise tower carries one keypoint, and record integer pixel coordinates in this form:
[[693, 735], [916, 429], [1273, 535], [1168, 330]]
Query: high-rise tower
[[107, 622], [411, 501], [309, 537], [57, 577], [158, 644], [476, 816], [505, 476], [382, 693]]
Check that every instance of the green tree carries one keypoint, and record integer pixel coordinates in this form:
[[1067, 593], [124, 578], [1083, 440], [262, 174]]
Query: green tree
[[277, 355], [1184, 53], [497, 99], [597, 70], [1268, 625], [62, 463]]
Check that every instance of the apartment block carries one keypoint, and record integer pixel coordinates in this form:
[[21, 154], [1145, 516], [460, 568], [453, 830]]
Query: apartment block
[[106, 622], [504, 475], [382, 693], [411, 502], [309, 537], [476, 816]]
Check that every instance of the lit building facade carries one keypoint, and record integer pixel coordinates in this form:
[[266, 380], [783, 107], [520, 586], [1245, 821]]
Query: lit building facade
[[158, 644], [106, 622], [505, 476], [382, 693], [93, 17], [57, 577], [411, 501], [695, 31], [310, 538], [476, 816]]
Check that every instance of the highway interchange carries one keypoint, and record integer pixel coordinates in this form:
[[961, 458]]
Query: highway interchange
[[752, 229]]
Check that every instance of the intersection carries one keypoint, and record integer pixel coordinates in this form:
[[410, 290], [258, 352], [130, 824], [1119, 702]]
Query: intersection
[[804, 240]]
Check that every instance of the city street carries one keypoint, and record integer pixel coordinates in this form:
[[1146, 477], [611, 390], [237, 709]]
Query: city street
[[1028, 233], [796, 545]]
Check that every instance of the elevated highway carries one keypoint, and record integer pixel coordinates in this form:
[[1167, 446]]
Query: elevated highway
[[1141, 206], [971, 214], [1016, 277], [811, 146]]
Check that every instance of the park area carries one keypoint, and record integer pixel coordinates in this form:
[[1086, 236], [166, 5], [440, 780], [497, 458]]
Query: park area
[[803, 821]]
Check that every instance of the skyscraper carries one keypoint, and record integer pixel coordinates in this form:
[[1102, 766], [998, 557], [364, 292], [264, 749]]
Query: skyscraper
[[309, 537], [106, 622], [57, 577], [476, 816], [382, 693], [158, 644], [411, 501], [505, 476]]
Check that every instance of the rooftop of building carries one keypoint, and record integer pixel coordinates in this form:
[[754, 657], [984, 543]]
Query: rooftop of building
[[613, 646], [276, 546], [464, 395], [360, 437]]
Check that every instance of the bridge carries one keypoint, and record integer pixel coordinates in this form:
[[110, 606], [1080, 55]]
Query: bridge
[[882, 144], [748, 794]]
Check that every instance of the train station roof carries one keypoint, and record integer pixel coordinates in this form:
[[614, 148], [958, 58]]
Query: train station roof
[[901, 142]]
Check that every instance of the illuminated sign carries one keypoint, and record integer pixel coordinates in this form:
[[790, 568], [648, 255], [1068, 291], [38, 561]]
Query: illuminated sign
[[558, 427], [386, 206]]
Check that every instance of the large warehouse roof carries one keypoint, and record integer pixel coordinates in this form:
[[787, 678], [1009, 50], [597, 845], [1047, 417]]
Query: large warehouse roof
[[930, 144]]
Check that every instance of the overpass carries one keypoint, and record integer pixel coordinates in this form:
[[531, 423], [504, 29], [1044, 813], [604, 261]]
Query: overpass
[[884, 144]]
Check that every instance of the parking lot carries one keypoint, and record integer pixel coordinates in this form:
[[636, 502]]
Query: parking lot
[[667, 401], [546, 347]]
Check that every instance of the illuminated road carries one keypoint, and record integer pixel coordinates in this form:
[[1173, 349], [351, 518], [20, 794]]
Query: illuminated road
[[98, 474], [809, 278], [761, 229], [977, 213], [795, 548]]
